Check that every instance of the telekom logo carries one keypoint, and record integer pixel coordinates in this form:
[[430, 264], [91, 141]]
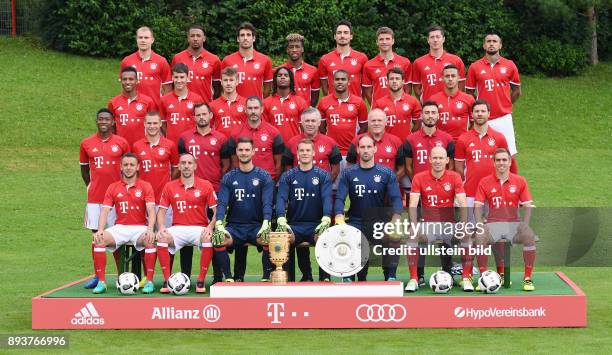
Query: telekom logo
[[382, 81], [146, 164], [124, 118], [181, 206], [278, 118], [433, 200], [497, 201], [431, 79], [421, 156], [241, 76], [392, 120], [98, 161], [174, 117], [123, 206], [299, 193], [444, 116], [239, 193], [334, 117], [476, 155], [359, 190], [489, 84], [225, 121], [194, 150]]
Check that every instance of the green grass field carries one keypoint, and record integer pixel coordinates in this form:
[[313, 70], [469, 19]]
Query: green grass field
[[48, 104]]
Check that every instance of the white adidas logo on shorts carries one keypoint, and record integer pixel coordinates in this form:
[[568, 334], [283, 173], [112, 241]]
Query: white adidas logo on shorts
[[88, 315]]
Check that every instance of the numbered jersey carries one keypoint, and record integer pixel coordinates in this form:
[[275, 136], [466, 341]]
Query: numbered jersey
[[130, 202], [307, 195], [246, 197], [189, 203]]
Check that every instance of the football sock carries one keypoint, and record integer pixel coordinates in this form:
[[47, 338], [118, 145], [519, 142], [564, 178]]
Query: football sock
[[164, 259], [467, 263], [499, 257], [205, 257], [529, 255], [100, 261], [117, 256], [150, 258], [413, 261], [221, 258], [483, 260]]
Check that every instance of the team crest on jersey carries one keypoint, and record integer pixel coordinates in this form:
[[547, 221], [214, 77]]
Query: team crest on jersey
[[197, 193], [351, 107], [240, 108], [388, 149], [353, 62], [292, 106], [315, 181], [256, 65], [139, 107], [321, 149], [115, 148], [255, 182], [304, 76], [503, 70], [264, 137], [138, 193], [153, 66], [512, 189], [491, 141], [377, 178], [204, 65], [447, 186], [162, 151], [406, 107], [213, 141], [190, 105], [459, 104]]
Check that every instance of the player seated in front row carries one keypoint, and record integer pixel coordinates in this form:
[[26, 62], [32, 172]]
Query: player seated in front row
[[134, 201]]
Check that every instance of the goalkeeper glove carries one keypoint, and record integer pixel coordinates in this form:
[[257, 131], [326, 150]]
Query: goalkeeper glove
[[339, 219], [282, 225], [218, 237], [264, 232], [322, 227]]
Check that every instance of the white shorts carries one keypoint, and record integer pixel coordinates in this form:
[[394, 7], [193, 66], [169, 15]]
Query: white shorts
[[504, 126], [439, 231], [342, 166], [92, 216], [503, 230], [168, 222], [184, 235], [124, 234]]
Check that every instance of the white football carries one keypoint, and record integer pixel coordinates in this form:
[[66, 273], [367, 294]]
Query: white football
[[127, 283], [179, 283], [440, 282], [489, 282]]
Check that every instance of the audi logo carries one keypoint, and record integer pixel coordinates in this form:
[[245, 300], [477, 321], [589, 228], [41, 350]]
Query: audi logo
[[381, 313]]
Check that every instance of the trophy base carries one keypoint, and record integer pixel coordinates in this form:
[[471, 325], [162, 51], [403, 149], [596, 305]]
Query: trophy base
[[279, 277]]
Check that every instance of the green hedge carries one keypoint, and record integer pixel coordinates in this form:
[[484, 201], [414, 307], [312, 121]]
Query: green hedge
[[106, 28]]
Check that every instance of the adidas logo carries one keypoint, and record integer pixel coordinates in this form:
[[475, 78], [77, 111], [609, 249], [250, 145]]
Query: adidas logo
[[235, 183], [332, 64], [94, 150], [221, 110], [88, 315], [377, 71], [419, 145], [494, 190], [427, 67], [295, 182], [428, 188], [483, 72], [386, 109], [472, 144], [143, 153], [356, 179], [120, 195], [120, 108], [177, 195], [274, 108], [170, 107]]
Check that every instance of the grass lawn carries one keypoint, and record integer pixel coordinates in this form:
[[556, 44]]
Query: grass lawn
[[48, 104]]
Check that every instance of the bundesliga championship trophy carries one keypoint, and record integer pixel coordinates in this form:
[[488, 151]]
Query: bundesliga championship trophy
[[279, 254]]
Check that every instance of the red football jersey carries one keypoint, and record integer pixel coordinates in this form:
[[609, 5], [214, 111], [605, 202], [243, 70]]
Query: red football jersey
[[352, 63], [177, 112], [306, 79], [418, 145], [189, 203], [156, 161], [493, 83], [427, 71], [477, 152], [343, 118], [252, 73], [208, 151], [437, 195], [375, 74], [284, 113], [129, 115], [104, 160], [130, 202], [227, 115], [400, 113], [326, 151], [503, 198], [203, 70], [267, 142], [152, 73], [389, 151], [455, 112]]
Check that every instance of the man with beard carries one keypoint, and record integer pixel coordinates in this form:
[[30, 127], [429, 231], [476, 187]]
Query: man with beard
[[204, 67], [454, 105], [283, 108], [306, 76]]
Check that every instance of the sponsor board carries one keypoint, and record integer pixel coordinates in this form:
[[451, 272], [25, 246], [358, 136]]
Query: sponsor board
[[332, 312]]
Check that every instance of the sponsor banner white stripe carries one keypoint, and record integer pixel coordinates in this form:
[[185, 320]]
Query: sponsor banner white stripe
[[92, 310], [85, 313]]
